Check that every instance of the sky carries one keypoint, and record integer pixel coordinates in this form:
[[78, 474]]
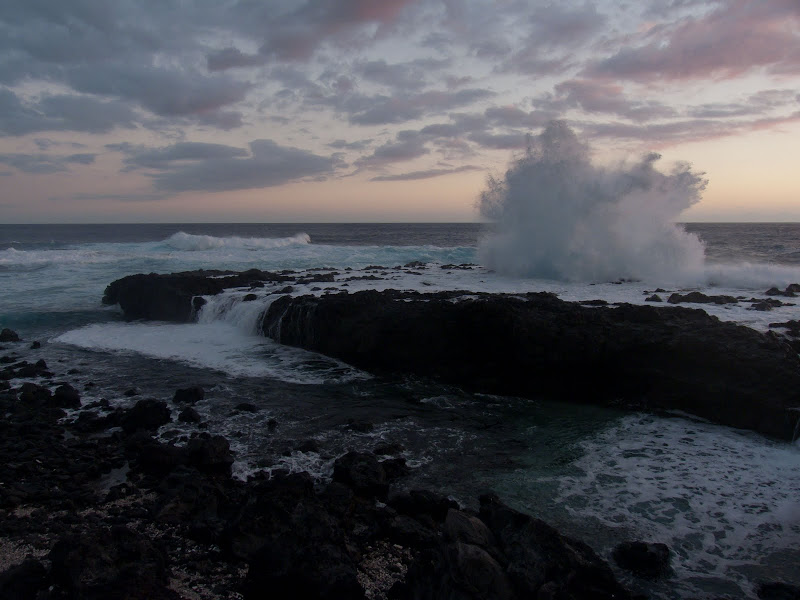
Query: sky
[[382, 110]]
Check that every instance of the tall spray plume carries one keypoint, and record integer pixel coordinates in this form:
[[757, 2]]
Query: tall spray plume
[[558, 216]]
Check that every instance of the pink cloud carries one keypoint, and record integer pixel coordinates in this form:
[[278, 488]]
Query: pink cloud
[[735, 38]]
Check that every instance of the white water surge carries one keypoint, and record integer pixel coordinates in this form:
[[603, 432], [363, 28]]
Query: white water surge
[[559, 216]]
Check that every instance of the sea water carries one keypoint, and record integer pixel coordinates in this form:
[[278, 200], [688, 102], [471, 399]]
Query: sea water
[[725, 501]]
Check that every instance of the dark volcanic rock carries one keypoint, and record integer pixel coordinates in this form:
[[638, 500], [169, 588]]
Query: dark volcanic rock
[[24, 581], [541, 559], [9, 335], [644, 559], [700, 298], [777, 590], [362, 472], [66, 396], [189, 415], [210, 454], [644, 357], [145, 414], [117, 563], [169, 297], [190, 395]]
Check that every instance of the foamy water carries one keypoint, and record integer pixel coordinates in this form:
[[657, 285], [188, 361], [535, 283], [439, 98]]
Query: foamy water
[[723, 500]]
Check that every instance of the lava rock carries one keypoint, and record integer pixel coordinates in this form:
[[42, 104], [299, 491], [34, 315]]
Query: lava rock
[[118, 563], [210, 454], [9, 335], [700, 298], [189, 415], [778, 590], [190, 395], [66, 396], [362, 472], [145, 414], [645, 559], [23, 582]]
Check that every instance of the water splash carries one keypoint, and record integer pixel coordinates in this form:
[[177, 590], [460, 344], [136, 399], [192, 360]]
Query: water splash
[[559, 216]]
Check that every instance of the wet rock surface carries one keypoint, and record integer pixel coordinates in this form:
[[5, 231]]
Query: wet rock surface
[[632, 356], [94, 506], [642, 357]]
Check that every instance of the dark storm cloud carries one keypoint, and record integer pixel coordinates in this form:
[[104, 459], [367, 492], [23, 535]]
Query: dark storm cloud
[[414, 175], [44, 163], [223, 169], [737, 37], [62, 113]]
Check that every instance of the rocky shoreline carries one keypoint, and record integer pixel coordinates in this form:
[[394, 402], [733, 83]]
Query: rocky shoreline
[[92, 505], [533, 345]]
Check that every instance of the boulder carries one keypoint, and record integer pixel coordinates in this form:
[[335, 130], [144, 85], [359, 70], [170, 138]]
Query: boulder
[[362, 472], [211, 454], [190, 395], [147, 414], [645, 559], [9, 335], [66, 396], [544, 562], [700, 298]]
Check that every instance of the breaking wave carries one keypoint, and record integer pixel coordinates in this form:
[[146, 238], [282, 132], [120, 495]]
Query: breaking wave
[[558, 216], [190, 242]]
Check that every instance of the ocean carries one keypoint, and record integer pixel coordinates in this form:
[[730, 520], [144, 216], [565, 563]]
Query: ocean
[[724, 500]]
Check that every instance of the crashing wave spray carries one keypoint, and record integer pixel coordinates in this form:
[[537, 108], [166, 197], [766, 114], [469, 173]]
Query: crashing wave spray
[[559, 216]]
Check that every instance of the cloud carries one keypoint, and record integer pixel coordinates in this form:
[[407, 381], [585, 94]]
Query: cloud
[[404, 76], [500, 141], [513, 116], [661, 135], [298, 34], [44, 163], [62, 113], [603, 97], [759, 103], [737, 37], [344, 145], [166, 157], [215, 168], [425, 174], [228, 58], [409, 148], [167, 92], [383, 110]]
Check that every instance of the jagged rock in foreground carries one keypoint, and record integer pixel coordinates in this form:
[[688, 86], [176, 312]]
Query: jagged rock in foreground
[[642, 357]]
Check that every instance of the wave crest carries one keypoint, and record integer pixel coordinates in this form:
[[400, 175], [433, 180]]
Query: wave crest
[[193, 243]]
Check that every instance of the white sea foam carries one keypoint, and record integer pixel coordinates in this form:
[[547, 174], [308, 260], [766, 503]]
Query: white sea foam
[[559, 216], [720, 498], [216, 345], [190, 242]]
